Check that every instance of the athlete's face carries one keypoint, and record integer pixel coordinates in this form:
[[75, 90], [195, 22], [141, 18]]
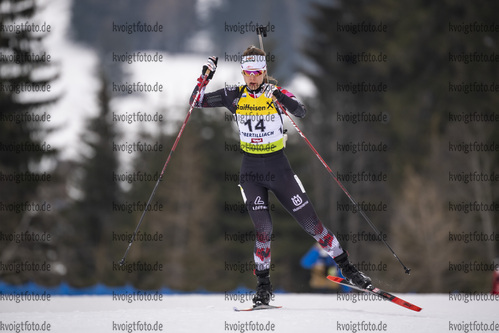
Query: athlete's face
[[254, 81]]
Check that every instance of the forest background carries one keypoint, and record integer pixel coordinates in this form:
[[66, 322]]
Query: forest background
[[402, 100]]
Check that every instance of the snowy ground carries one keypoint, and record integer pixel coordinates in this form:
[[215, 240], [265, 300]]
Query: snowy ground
[[214, 313]]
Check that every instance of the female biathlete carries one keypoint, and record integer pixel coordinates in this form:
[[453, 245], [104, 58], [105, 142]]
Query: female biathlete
[[260, 123]]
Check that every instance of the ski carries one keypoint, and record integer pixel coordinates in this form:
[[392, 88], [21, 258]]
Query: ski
[[376, 291], [258, 307]]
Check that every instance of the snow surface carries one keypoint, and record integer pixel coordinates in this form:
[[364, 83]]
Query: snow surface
[[214, 313]]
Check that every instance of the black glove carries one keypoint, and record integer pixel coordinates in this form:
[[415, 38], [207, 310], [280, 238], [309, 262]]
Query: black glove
[[211, 64]]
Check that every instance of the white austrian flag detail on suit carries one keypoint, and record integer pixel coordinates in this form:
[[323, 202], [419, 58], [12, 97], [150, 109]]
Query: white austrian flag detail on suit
[[260, 126], [298, 202]]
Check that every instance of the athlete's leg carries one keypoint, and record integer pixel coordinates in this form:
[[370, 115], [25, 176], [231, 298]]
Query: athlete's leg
[[256, 200], [255, 195], [288, 188], [291, 193], [293, 197]]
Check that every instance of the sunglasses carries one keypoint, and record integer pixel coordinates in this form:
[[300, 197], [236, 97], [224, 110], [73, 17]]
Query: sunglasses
[[254, 73]]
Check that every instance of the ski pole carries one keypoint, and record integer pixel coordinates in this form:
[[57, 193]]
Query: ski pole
[[122, 261], [263, 31]]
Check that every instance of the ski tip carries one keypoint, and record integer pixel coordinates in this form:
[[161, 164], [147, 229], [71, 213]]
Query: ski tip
[[240, 310], [334, 278], [411, 307]]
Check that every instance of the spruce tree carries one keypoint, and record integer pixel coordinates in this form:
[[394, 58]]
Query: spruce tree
[[90, 241], [26, 77], [435, 50]]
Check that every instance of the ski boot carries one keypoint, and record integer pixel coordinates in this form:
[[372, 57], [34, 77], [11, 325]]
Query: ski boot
[[263, 288], [351, 273]]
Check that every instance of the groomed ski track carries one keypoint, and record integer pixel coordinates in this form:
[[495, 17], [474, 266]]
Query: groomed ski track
[[214, 313]]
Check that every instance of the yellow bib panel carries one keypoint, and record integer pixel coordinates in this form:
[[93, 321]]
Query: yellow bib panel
[[260, 126]]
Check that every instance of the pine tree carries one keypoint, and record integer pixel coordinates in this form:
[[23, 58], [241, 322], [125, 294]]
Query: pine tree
[[338, 72], [92, 218], [421, 43], [26, 75]]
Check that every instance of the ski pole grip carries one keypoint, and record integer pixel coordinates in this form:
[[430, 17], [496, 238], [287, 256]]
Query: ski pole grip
[[261, 30]]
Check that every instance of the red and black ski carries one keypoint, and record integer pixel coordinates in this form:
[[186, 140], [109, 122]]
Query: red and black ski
[[259, 307], [377, 291]]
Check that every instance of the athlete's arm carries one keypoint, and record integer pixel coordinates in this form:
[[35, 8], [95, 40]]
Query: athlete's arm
[[290, 102], [219, 98], [222, 97]]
